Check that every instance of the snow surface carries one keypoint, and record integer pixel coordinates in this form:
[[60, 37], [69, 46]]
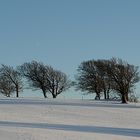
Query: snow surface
[[57, 119]]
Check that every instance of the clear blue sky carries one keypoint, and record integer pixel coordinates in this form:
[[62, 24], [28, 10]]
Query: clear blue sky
[[63, 33]]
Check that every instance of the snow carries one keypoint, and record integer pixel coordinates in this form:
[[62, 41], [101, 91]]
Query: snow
[[57, 119]]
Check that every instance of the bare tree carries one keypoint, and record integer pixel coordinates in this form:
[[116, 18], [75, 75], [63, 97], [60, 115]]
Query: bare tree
[[13, 76], [123, 75], [6, 86], [58, 82], [36, 74], [89, 79]]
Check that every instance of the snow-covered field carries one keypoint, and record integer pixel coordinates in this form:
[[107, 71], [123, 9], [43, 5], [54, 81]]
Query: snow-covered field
[[48, 119]]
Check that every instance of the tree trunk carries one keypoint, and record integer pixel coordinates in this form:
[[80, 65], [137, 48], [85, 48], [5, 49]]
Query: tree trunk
[[108, 95], [17, 92], [44, 93], [105, 95], [124, 99], [54, 96], [54, 93], [97, 96], [127, 98], [45, 96]]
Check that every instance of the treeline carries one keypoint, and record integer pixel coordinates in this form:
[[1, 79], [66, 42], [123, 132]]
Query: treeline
[[99, 77]]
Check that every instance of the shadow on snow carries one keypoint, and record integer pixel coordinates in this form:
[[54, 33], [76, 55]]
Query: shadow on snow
[[89, 129]]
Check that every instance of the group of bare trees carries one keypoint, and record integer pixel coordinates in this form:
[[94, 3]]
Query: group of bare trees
[[38, 75], [44, 77], [103, 76]]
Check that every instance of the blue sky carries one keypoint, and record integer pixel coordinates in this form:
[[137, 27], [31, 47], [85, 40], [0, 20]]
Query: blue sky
[[63, 33]]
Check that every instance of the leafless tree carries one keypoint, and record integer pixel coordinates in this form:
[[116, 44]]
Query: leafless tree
[[58, 82], [36, 74], [12, 76], [89, 79], [6, 86], [124, 76]]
